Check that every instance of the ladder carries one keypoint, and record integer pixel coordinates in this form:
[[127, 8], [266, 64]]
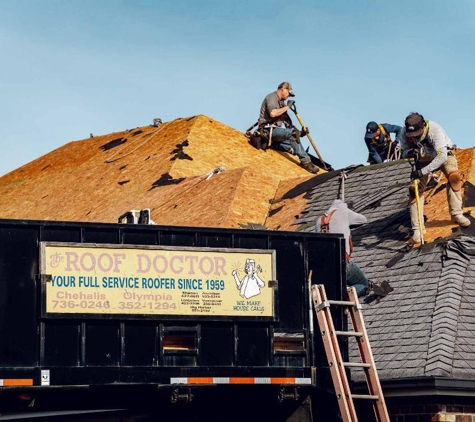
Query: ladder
[[335, 362]]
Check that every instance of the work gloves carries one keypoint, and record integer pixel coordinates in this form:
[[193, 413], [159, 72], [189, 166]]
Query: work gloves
[[304, 131], [416, 174], [290, 103], [412, 154], [296, 135]]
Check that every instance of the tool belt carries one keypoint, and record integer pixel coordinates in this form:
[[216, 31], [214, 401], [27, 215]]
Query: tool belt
[[259, 138]]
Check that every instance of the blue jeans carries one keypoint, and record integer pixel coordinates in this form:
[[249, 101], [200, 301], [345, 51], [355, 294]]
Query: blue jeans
[[284, 139], [375, 158], [356, 278]]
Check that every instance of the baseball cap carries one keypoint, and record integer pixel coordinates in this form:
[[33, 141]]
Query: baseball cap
[[371, 129], [291, 92], [289, 87], [414, 125]]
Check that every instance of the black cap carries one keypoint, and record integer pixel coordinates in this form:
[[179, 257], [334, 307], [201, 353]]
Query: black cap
[[371, 129], [414, 125]]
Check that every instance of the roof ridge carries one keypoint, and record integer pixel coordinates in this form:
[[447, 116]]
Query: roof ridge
[[203, 118], [235, 191], [441, 346]]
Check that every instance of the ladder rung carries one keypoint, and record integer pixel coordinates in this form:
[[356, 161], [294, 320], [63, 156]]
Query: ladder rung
[[349, 333], [341, 302], [356, 365], [365, 396]]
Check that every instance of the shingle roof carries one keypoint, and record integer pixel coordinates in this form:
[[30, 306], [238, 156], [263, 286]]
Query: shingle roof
[[424, 328]]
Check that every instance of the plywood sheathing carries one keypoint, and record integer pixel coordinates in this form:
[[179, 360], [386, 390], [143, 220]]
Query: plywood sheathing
[[99, 178], [227, 199], [251, 203], [285, 206], [197, 201]]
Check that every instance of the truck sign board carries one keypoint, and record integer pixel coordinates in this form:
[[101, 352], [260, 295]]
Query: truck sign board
[[99, 279]]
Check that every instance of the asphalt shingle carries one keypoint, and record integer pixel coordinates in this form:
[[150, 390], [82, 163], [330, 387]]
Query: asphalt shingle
[[425, 326]]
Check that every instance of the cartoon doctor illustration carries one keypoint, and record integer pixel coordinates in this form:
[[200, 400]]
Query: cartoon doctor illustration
[[251, 283]]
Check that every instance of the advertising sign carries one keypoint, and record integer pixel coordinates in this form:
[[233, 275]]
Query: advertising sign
[[81, 278]]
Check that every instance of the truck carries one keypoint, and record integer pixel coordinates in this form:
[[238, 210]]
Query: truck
[[147, 322]]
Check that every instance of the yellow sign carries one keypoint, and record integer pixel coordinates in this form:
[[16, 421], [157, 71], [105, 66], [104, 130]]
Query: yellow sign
[[148, 280]]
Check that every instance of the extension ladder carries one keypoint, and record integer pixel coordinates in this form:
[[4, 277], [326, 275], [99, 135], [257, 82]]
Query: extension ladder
[[335, 362]]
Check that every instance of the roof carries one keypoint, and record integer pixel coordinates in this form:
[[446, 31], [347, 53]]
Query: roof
[[191, 171], [199, 172], [424, 328]]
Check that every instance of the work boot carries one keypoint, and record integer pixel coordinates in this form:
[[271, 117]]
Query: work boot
[[369, 289], [416, 236], [312, 168], [461, 220], [386, 287], [376, 292]]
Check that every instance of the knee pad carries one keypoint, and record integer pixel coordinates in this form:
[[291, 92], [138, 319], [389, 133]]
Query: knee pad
[[455, 181]]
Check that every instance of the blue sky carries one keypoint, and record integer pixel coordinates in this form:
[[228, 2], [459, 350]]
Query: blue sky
[[71, 68]]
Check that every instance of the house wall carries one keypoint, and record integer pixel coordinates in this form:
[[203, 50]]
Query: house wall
[[432, 409]]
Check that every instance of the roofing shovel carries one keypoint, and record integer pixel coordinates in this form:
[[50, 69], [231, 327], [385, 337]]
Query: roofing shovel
[[341, 188], [325, 165], [419, 214]]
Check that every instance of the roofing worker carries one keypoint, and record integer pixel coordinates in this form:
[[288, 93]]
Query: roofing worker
[[378, 140], [339, 219], [431, 148], [274, 119]]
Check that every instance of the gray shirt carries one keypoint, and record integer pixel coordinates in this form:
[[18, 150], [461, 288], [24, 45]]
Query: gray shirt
[[341, 220], [271, 102]]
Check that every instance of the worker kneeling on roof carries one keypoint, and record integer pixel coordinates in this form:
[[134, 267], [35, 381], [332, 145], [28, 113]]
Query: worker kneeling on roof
[[426, 142], [277, 124], [379, 143], [339, 219]]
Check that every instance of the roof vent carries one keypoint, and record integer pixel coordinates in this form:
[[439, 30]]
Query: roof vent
[[136, 217], [157, 122]]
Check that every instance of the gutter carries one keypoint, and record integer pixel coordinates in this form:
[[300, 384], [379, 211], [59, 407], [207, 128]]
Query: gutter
[[423, 386]]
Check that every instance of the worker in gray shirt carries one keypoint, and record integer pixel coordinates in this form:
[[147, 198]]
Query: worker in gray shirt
[[339, 219], [284, 135]]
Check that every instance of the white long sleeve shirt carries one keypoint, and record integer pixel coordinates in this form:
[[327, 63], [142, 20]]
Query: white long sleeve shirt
[[433, 147]]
